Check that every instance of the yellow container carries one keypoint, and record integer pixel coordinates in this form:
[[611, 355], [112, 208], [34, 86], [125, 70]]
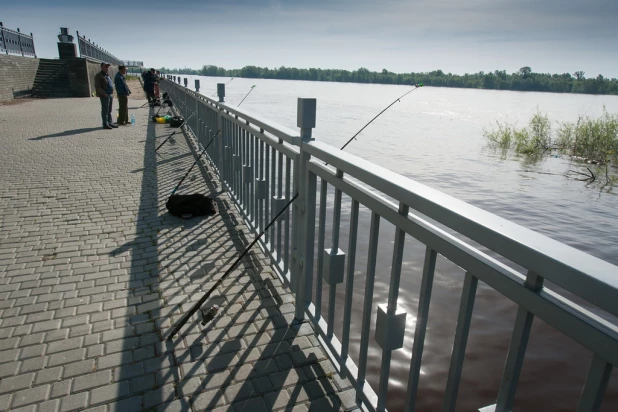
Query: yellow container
[[161, 120]]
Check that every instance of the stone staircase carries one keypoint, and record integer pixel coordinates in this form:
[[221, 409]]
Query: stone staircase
[[52, 79]]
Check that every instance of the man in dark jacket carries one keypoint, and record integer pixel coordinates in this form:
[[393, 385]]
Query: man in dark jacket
[[105, 92], [149, 80], [123, 92]]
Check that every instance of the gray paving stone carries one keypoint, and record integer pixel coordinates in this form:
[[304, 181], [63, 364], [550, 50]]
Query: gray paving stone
[[163, 394], [30, 408], [115, 359], [63, 358], [206, 401], [143, 384], [74, 402], [9, 369], [180, 405], [65, 345], [49, 406], [4, 402], [16, 383], [239, 392], [109, 393], [133, 404], [326, 404], [320, 388], [92, 381], [102, 408], [32, 351], [129, 371], [48, 375], [45, 326], [30, 396], [32, 365], [61, 389], [277, 400], [253, 405]]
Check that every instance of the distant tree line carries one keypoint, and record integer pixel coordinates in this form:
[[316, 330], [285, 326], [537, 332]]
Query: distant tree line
[[523, 80]]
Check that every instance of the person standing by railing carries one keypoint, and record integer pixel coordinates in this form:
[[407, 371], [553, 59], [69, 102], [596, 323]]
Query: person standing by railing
[[149, 80], [105, 92], [123, 92]]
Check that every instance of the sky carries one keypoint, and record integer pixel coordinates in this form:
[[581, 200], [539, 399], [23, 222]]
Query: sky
[[457, 36]]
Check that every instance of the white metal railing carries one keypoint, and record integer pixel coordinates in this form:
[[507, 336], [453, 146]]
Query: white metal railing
[[263, 164]]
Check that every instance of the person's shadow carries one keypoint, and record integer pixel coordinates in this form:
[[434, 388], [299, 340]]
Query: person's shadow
[[66, 133]]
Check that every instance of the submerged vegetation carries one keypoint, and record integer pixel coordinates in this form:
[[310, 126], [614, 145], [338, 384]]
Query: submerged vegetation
[[589, 140]]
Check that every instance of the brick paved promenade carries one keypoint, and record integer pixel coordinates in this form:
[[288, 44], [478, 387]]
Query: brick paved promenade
[[94, 271]]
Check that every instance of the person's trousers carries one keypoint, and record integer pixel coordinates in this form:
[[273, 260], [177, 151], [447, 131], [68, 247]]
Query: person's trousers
[[123, 111], [106, 110]]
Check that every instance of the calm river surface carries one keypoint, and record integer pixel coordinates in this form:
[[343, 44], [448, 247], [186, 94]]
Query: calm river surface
[[434, 136]]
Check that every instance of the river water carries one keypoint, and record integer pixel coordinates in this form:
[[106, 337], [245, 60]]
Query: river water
[[434, 136]]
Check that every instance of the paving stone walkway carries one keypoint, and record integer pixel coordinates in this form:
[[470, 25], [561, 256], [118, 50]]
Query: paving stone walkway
[[94, 272]]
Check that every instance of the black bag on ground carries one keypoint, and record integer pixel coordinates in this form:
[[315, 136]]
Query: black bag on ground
[[187, 206], [176, 121]]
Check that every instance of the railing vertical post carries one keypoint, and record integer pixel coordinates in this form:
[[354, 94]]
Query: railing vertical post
[[33, 49], [303, 224], [3, 38], [221, 163], [19, 41], [517, 349], [197, 119]]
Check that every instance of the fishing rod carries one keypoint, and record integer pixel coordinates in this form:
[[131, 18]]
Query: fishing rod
[[181, 126], [196, 162], [416, 86], [213, 310], [201, 154], [215, 93], [209, 315], [252, 87]]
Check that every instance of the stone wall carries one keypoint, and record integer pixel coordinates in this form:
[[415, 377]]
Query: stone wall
[[93, 68], [17, 74]]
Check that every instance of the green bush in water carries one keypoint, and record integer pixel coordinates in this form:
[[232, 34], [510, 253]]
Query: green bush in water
[[591, 139], [594, 139]]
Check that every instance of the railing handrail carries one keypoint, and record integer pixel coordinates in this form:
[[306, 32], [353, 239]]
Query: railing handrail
[[25, 42], [584, 275], [107, 56], [285, 133], [28, 36]]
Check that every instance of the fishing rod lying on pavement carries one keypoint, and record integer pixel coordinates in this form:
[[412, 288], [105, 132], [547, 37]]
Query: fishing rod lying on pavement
[[174, 132], [208, 315]]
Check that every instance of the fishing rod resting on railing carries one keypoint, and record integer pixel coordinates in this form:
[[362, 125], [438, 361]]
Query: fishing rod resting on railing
[[252, 87], [203, 151], [209, 315], [215, 93]]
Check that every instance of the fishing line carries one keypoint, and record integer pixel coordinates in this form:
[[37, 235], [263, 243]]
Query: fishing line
[[416, 86], [252, 87], [215, 93], [210, 314]]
